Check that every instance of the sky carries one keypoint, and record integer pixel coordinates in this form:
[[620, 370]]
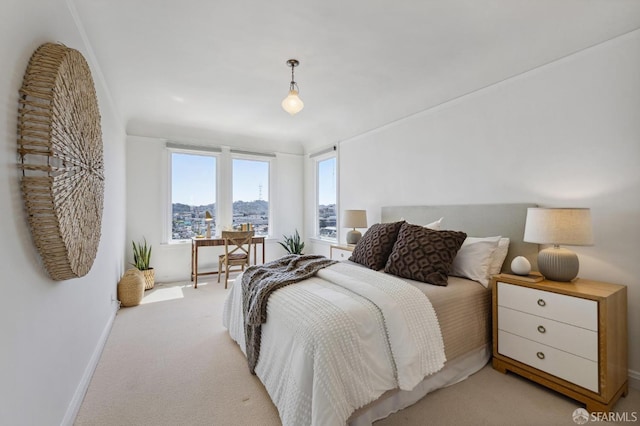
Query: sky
[[327, 181], [250, 180], [194, 179]]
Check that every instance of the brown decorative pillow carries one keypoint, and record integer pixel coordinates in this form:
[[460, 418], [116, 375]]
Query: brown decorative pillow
[[376, 244], [423, 254]]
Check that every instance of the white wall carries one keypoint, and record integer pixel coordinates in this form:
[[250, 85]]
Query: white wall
[[51, 332], [566, 134], [147, 162]]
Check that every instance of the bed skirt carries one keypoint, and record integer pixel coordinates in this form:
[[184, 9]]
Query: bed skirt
[[392, 401]]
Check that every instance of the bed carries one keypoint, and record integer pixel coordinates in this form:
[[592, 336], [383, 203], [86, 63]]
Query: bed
[[376, 367]]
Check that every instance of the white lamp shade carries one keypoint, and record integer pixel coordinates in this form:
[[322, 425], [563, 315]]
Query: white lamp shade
[[354, 219], [292, 103], [567, 226]]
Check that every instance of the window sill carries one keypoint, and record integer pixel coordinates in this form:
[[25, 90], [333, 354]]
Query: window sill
[[316, 240]]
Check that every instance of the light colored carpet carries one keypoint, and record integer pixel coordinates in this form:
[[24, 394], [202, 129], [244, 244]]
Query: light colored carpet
[[170, 361]]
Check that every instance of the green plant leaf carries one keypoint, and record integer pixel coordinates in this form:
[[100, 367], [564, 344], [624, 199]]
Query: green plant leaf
[[141, 255], [293, 244]]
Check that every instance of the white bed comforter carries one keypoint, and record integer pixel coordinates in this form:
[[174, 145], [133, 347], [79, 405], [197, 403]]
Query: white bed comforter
[[339, 340]]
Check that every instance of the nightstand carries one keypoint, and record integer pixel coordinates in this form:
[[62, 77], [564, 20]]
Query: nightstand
[[569, 337], [341, 252]]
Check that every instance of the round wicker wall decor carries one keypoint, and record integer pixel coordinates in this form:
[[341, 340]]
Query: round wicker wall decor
[[60, 147]]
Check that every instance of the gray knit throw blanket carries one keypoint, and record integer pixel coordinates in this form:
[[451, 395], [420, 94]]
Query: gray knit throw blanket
[[258, 282]]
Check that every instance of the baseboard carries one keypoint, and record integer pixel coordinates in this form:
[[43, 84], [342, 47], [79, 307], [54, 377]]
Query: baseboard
[[81, 390], [634, 379]]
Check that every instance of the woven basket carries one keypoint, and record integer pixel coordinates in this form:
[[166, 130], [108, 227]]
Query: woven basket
[[149, 278], [61, 157], [131, 288]]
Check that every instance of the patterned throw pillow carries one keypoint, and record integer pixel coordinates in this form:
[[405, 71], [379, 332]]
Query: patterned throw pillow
[[376, 244], [423, 254]]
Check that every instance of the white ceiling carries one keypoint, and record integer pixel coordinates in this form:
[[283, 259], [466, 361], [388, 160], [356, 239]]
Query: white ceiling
[[215, 70]]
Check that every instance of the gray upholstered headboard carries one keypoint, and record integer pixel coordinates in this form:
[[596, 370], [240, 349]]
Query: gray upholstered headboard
[[477, 220]]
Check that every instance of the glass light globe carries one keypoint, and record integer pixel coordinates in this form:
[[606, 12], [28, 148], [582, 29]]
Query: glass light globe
[[292, 103]]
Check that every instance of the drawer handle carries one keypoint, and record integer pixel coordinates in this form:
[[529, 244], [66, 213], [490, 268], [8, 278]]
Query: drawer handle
[[541, 302], [541, 329], [540, 355]]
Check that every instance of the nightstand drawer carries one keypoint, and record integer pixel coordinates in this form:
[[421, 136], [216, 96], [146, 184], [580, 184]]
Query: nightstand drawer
[[580, 349], [572, 368], [571, 310], [568, 338], [340, 254]]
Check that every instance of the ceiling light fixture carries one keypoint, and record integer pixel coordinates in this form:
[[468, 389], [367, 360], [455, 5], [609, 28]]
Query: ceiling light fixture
[[292, 103]]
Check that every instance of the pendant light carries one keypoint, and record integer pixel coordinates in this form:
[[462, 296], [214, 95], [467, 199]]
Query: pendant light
[[292, 103]]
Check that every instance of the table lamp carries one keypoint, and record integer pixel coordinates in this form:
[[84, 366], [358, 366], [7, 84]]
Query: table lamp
[[354, 219], [208, 219], [570, 226]]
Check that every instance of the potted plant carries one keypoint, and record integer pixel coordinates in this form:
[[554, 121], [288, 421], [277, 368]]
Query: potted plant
[[293, 244], [142, 261]]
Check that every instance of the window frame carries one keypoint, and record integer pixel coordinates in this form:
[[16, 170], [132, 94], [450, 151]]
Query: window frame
[[254, 157], [224, 191], [168, 227], [333, 153]]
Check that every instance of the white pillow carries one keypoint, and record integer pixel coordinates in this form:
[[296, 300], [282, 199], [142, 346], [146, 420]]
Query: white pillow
[[435, 225], [497, 259], [474, 259]]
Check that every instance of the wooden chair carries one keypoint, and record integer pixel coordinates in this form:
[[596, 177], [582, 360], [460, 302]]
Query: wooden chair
[[237, 248]]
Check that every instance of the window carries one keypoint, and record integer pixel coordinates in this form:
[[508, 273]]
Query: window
[[251, 194], [193, 193], [233, 186], [326, 178]]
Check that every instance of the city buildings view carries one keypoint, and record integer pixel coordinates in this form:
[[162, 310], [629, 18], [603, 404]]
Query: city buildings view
[[189, 221], [327, 221]]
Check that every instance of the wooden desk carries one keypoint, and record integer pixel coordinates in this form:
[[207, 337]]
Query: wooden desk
[[208, 242]]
